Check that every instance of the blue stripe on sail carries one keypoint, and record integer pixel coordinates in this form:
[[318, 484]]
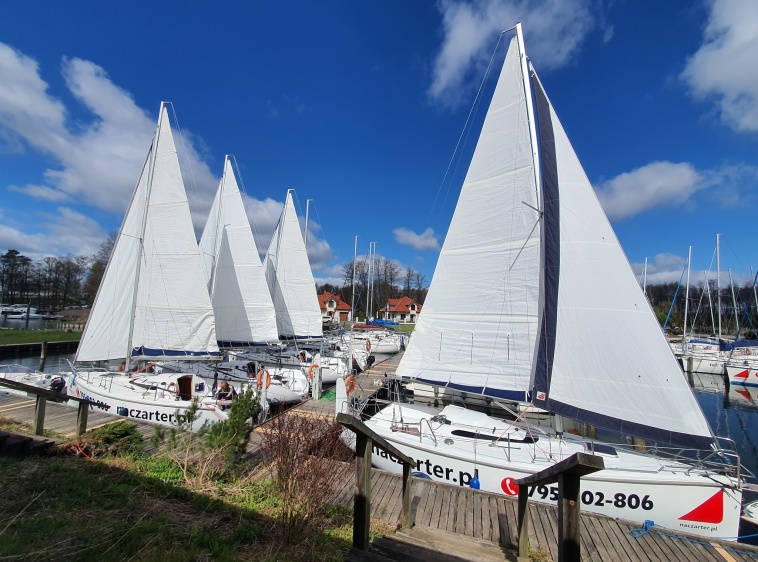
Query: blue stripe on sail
[[312, 337], [551, 248], [516, 395], [148, 352], [241, 344], [658, 435]]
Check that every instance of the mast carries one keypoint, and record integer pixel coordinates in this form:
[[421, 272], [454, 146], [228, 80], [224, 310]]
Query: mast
[[686, 298], [219, 228], [734, 304], [529, 111], [355, 257], [644, 278], [718, 281], [307, 210], [148, 191]]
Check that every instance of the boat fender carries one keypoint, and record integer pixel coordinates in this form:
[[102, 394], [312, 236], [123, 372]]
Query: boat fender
[[260, 380], [310, 371], [368, 345], [350, 384]]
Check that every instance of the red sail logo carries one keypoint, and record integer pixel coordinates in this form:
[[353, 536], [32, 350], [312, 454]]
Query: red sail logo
[[710, 511]]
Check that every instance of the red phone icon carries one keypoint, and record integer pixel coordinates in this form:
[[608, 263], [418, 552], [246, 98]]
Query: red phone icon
[[509, 486]]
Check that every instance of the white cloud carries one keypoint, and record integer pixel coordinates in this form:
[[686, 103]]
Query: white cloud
[[722, 69], [40, 192], [659, 184], [98, 160], [670, 184], [424, 241], [64, 232], [553, 31]]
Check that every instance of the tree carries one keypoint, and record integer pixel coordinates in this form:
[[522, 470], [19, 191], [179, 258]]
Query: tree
[[97, 268]]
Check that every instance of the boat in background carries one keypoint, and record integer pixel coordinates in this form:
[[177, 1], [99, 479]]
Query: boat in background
[[242, 304], [152, 305], [290, 280]]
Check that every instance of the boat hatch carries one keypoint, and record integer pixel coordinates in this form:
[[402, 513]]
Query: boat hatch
[[601, 449], [185, 387], [487, 437]]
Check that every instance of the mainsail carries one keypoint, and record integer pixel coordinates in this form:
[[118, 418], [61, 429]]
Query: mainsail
[[533, 293], [153, 301], [241, 300], [480, 321], [290, 280]]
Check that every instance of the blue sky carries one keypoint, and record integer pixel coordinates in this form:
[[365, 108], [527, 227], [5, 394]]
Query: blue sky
[[359, 107]]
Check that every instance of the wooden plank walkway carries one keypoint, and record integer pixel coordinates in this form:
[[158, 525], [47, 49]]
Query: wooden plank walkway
[[451, 508]]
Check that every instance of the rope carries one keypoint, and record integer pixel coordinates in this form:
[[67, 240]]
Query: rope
[[648, 528]]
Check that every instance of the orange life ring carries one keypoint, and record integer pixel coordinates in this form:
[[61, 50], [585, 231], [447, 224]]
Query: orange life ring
[[172, 388], [260, 380], [748, 352], [310, 371], [368, 345], [350, 384]]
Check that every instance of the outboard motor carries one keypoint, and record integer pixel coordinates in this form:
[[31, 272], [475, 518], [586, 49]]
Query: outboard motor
[[57, 384], [370, 361]]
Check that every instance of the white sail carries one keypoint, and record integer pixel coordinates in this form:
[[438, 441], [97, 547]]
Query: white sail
[[239, 293], [153, 300], [611, 366], [479, 325], [290, 280], [516, 290]]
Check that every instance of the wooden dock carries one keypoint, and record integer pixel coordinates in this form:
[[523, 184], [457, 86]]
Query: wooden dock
[[453, 509]]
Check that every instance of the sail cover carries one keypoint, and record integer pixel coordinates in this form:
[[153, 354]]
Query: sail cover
[[239, 293], [479, 324], [602, 357], [290, 280], [154, 288]]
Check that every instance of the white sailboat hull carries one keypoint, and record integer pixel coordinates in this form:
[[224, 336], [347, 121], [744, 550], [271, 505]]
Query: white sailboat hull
[[746, 375], [159, 406], [633, 486]]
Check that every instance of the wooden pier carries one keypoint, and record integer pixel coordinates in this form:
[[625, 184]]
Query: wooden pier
[[455, 510]]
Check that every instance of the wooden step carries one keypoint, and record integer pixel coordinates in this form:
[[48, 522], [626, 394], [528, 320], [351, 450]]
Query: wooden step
[[424, 544], [457, 544]]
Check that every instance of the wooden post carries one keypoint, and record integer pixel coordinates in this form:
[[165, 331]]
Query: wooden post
[[569, 547], [567, 473], [39, 415], [406, 519], [362, 502], [365, 440], [81, 418], [42, 356], [523, 524]]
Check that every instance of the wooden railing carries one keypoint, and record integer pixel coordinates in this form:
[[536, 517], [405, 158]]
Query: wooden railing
[[43, 395], [568, 474], [365, 439]]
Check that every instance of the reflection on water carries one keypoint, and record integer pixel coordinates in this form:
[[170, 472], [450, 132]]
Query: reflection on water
[[732, 413]]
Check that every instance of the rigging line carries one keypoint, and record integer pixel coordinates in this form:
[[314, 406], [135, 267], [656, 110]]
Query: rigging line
[[465, 130], [186, 152]]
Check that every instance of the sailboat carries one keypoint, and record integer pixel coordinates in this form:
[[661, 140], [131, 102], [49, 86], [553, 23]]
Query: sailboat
[[241, 300], [290, 280], [561, 325], [152, 305]]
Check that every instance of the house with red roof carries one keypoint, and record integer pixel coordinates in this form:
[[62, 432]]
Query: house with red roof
[[403, 310], [333, 307]]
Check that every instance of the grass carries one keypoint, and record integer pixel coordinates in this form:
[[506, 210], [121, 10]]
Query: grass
[[111, 501], [36, 336]]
